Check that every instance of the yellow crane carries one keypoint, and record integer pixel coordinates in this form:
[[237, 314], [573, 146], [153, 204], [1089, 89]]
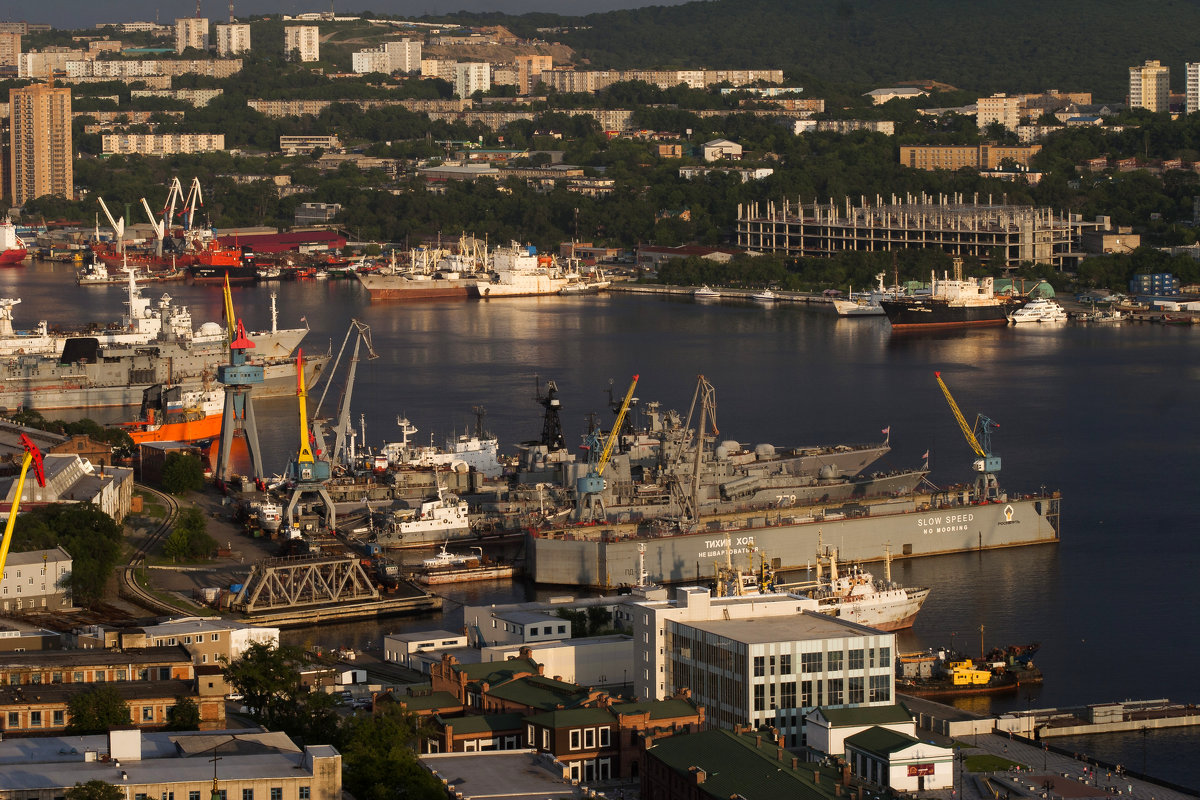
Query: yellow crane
[[988, 463], [589, 488], [32, 456]]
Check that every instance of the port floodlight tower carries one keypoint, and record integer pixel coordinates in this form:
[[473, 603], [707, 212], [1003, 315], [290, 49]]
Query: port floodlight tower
[[307, 473], [987, 464], [240, 376]]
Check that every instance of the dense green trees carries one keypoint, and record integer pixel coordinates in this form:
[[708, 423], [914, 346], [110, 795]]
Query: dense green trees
[[182, 473], [189, 539], [94, 790], [379, 757], [91, 537], [96, 710], [184, 715]]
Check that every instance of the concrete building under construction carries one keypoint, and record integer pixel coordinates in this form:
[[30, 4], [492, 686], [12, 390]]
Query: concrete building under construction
[[960, 227]]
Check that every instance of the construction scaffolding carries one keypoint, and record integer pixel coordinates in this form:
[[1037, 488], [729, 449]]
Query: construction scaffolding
[[984, 230]]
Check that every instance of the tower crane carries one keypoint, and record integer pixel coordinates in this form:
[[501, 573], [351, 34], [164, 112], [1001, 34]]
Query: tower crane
[[589, 488], [343, 429], [988, 463], [32, 456]]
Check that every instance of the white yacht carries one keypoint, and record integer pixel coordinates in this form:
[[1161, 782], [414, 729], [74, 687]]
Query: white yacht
[[705, 293], [1040, 309]]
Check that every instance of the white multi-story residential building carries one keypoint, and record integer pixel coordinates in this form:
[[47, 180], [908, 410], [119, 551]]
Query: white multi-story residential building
[[10, 49], [40, 65], [302, 42], [191, 32], [232, 38], [1192, 90], [471, 77], [1149, 86], [161, 144], [367, 61], [404, 55], [36, 580], [1000, 108]]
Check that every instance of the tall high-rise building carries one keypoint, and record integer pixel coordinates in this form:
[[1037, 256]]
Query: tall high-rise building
[[529, 71], [471, 77], [40, 142], [404, 55], [999, 108], [1149, 86], [191, 32], [232, 38], [1192, 90], [302, 42], [10, 49]]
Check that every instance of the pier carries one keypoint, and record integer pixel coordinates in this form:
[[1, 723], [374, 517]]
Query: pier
[[781, 296]]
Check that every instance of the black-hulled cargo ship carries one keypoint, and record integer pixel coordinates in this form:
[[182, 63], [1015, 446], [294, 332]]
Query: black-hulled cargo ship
[[951, 303]]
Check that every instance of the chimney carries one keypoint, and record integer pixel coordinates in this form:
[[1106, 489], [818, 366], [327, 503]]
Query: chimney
[[817, 776], [779, 754], [758, 743], [698, 775], [795, 762], [845, 774], [837, 790]]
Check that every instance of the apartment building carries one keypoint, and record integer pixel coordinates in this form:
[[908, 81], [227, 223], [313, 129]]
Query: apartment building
[[529, 71], [10, 49], [208, 640], [952, 157], [161, 144], [40, 145], [471, 77], [232, 38], [191, 32], [36, 580], [302, 42], [40, 65], [1191, 102], [404, 55], [196, 97], [1149, 86], [1001, 108]]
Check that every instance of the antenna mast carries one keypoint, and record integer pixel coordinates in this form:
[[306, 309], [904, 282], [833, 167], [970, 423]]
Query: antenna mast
[[197, 9]]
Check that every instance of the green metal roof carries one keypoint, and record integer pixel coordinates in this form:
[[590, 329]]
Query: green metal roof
[[496, 671], [424, 702], [540, 692], [881, 741], [733, 765], [866, 715], [659, 709], [570, 717], [484, 723]]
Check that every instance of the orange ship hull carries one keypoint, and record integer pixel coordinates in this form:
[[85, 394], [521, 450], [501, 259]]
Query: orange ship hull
[[189, 431]]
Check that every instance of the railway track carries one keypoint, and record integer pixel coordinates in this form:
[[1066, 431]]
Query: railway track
[[130, 589]]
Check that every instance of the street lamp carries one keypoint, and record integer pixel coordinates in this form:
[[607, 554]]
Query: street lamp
[[960, 755]]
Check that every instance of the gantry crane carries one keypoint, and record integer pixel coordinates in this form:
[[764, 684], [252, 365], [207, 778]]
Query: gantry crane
[[988, 463], [589, 488], [32, 456], [308, 473]]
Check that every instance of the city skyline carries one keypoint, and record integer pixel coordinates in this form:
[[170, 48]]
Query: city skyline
[[79, 14]]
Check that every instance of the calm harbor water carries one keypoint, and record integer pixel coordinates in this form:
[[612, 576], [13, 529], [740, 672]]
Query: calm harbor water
[[1106, 414]]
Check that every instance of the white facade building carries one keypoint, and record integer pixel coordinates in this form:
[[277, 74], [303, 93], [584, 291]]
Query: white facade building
[[591, 661], [191, 32], [404, 55], [1149, 86], [34, 580], [402, 648], [367, 61], [998, 108], [302, 42], [1192, 89], [232, 38], [471, 77]]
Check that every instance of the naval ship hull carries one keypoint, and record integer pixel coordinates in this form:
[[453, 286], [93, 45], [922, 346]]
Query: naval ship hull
[[119, 380], [606, 556], [382, 288], [931, 314]]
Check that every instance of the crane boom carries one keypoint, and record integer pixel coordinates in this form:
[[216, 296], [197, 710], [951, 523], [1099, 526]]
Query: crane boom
[[962, 422], [32, 456], [616, 429], [306, 454]]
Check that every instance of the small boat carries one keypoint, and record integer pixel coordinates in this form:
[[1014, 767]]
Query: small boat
[[864, 304], [447, 567], [96, 273], [705, 293], [765, 296], [1040, 309]]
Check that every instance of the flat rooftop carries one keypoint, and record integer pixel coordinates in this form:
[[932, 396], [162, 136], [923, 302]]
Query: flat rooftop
[[804, 626], [511, 774]]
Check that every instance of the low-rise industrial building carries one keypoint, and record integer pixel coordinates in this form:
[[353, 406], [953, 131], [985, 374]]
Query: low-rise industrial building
[[36, 580]]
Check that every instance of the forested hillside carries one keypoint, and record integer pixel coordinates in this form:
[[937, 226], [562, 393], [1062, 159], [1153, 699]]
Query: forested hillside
[[1016, 45]]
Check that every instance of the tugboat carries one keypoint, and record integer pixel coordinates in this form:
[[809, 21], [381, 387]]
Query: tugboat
[[945, 673], [215, 263]]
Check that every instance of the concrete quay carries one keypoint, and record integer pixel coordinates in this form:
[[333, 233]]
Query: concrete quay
[[1035, 762], [724, 294]]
